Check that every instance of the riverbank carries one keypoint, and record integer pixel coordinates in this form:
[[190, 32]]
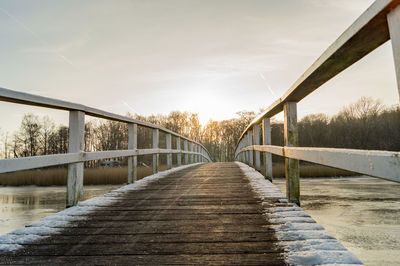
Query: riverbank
[[362, 213], [118, 175]]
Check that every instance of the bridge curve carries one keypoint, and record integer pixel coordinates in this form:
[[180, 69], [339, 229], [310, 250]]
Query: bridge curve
[[218, 213]]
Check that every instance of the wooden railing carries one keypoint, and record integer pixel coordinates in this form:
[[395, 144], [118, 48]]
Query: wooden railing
[[193, 151], [379, 23]]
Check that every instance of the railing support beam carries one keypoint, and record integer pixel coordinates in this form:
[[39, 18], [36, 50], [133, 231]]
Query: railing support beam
[[132, 160], [155, 146], [266, 134], [291, 165], [169, 155], [394, 29], [256, 137], [76, 144]]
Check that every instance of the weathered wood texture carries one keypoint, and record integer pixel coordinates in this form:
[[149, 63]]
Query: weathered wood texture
[[291, 135], [76, 144], [204, 214], [266, 133]]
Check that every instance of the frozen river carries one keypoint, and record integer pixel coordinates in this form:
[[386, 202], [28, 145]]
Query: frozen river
[[362, 213]]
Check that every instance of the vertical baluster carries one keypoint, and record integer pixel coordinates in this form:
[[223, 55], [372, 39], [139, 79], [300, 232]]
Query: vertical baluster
[[291, 140], [191, 150], [250, 138], [178, 155], [76, 145], [256, 137], [155, 146], [185, 148], [266, 131], [132, 160], [169, 147]]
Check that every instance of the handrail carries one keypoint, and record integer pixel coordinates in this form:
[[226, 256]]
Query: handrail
[[7, 95], [193, 151], [379, 23]]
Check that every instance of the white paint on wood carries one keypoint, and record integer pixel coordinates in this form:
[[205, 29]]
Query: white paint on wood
[[155, 146], [394, 28], [185, 148], [178, 148], [266, 134], [132, 160], [250, 143], [36, 100], [76, 145], [191, 150], [292, 172], [381, 164], [169, 146], [256, 137]]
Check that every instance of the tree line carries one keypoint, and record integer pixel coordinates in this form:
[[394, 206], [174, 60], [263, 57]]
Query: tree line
[[366, 124]]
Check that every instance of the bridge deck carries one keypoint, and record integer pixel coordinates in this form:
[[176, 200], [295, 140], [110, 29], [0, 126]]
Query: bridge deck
[[207, 213]]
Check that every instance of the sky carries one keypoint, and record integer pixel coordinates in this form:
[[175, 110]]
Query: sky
[[211, 57]]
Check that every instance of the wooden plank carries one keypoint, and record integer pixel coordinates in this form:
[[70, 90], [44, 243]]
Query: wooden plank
[[76, 144], [393, 19], [291, 135], [205, 215], [132, 160]]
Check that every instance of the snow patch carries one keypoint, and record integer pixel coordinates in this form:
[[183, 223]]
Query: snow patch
[[303, 240], [55, 223]]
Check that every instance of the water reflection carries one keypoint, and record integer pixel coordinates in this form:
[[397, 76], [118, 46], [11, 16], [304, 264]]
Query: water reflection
[[362, 213], [20, 206]]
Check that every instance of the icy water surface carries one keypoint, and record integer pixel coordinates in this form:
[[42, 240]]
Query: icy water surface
[[20, 206], [362, 213]]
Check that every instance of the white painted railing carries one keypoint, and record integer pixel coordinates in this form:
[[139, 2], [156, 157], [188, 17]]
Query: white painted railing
[[76, 155], [378, 24]]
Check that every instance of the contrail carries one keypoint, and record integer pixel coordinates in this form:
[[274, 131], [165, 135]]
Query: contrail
[[267, 84], [130, 107], [30, 31]]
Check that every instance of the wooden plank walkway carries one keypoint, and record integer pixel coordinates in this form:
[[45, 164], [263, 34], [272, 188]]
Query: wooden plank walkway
[[206, 214]]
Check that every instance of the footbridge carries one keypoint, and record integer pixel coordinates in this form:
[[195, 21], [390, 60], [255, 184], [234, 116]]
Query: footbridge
[[202, 212]]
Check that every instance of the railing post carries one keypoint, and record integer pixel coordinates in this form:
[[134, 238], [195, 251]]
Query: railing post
[[291, 165], [185, 148], [76, 145], [250, 138], [394, 29], [169, 155], [132, 160], [256, 137], [155, 146], [196, 148], [191, 150], [178, 155], [266, 129]]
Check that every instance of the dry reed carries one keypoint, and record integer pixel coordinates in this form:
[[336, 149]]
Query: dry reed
[[118, 175]]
